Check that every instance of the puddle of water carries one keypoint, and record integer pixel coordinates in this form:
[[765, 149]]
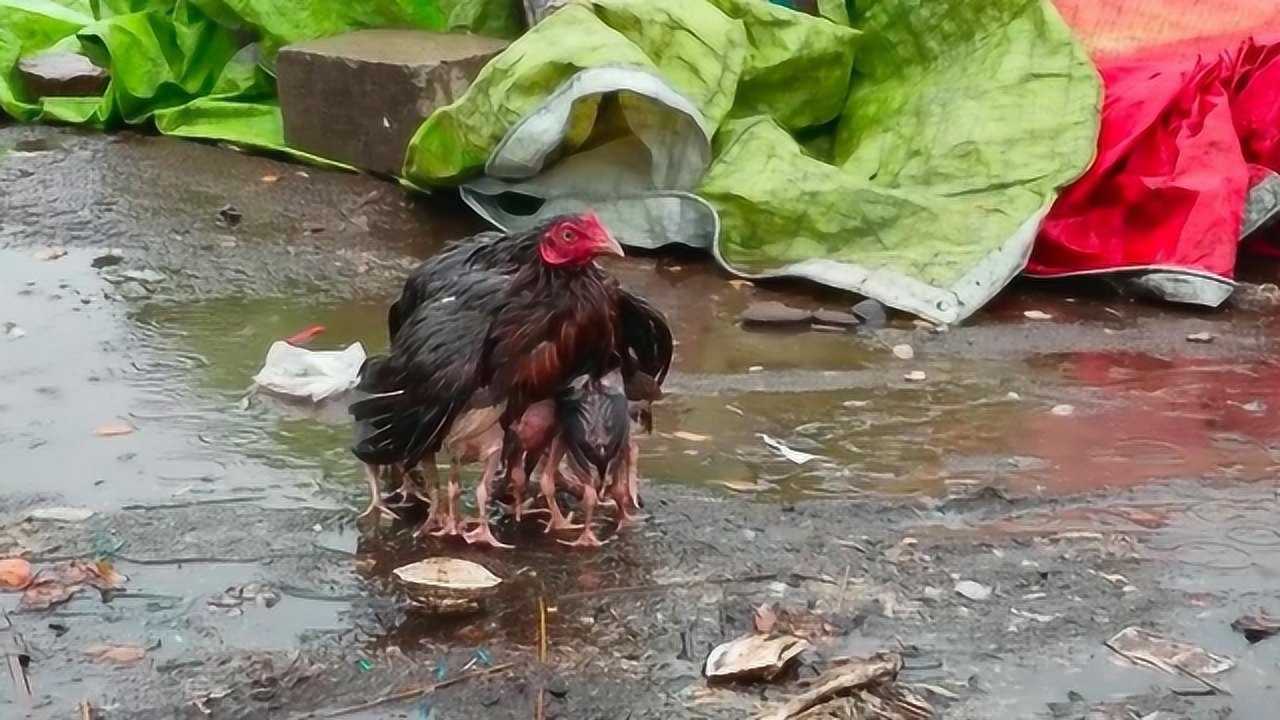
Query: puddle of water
[[83, 363], [1137, 418]]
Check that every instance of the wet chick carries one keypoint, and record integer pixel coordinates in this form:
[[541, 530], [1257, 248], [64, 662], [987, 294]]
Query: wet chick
[[595, 426]]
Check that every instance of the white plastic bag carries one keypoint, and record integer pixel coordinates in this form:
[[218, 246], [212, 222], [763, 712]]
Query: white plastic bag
[[310, 374]]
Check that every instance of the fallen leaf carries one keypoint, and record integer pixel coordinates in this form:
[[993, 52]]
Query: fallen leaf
[[59, 584], [118, 654], [755, 369], [753, 657], [113, 429], [44, 594], [915, 376], [795, 456], [973, 590], [52, 253], [1256, 628], [735, 410], [1037, 315], [691, 437], [15, 574], [740, 284], [1200, 337], [764, 619], [448, 574], [1153, 650], [60, 514], [904, 351], [270, 178]]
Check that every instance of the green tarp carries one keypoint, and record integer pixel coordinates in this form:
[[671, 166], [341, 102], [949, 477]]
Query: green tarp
[[185, 63], [905, 149]]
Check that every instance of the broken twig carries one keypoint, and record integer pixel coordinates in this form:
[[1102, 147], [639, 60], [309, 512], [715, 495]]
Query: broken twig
[[876, 670], [409, 694]]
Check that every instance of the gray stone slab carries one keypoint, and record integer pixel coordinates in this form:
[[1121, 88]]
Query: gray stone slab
[[358, 97], [61, 74]]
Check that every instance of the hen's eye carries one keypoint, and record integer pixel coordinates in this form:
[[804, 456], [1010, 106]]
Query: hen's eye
[[566, 236]]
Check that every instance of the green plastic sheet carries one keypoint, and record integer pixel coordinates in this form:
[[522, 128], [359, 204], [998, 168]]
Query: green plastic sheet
[[201, 68], [892, 147], [905, 149]]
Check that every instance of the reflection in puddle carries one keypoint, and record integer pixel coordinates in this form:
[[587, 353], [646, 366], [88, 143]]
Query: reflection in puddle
[[1137, 418]]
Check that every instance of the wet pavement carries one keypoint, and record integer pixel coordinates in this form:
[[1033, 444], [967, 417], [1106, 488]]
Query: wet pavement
[[1095, 468]]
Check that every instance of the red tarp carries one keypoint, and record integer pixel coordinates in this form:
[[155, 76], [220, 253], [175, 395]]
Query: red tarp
[[1191, 118]]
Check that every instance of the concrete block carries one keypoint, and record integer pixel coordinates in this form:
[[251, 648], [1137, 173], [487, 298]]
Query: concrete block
[[358, 97], [61, 74]]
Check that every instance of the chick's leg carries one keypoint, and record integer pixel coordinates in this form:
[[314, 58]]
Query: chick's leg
[[434, 515], [588, 537], [372, 474], [633, 475], [519, 481], [548, 483], [409, 492], [620, 492]]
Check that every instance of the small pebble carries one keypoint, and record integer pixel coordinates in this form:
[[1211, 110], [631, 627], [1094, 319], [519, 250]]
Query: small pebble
[[1037, 315], [904, 351], [835, 317], [1063, 410], [1200, 337], [871, 313], [772, 312], [915, 376]]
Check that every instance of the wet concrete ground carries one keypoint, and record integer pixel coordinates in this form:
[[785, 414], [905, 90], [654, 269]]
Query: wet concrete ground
[[1152, 502]]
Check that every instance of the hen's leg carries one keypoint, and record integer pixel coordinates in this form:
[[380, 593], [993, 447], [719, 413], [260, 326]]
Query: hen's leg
[[376, 506], [548, 483], [483, 533], [449, 525], [588, 537]]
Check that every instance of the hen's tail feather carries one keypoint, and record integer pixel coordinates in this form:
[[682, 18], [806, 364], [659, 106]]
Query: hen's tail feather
[[390, 427], [392, 430]]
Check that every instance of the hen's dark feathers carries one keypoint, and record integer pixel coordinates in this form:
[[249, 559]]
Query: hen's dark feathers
[[443, 340], [439, 276], [647, 346]]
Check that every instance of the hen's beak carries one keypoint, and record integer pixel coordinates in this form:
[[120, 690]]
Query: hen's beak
[[609, 246]]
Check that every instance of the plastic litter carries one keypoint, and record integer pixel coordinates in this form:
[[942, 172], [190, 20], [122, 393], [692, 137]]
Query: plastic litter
[[795, 456], [310, 374]]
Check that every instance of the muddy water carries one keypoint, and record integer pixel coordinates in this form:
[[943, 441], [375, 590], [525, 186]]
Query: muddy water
[[174, 357]]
